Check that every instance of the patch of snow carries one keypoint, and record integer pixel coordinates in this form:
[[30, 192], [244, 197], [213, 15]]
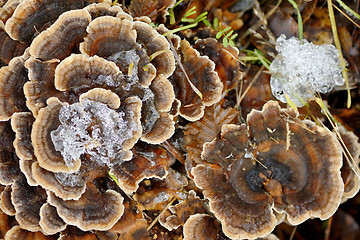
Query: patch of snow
[[69, 179], [91, 128], [301, 68], [124, 60]]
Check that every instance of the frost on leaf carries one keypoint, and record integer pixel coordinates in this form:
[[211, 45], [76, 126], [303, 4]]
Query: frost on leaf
[[91, 128], [301, 68]]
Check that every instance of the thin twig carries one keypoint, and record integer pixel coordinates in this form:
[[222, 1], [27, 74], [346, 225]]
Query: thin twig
[[256, 77], [158, 216], [178, 60]]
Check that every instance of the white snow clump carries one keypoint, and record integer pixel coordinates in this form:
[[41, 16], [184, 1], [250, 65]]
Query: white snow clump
[[301, 68], [92, 128]]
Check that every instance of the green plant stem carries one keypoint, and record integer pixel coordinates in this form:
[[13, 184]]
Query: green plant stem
[[180, 29], [344, 6], [300, 23], [338, 46]]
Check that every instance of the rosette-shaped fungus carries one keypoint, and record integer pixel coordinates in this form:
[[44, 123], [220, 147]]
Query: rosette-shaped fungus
[[275, 163], [95, 82], [128, 57]]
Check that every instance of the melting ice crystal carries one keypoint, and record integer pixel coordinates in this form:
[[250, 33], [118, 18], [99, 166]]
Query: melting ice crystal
[[91, 128], [301, 68]]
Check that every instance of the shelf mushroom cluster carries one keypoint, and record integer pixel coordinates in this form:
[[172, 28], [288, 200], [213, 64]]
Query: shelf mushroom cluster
[[89, 92], [91, 84], [274, 164]]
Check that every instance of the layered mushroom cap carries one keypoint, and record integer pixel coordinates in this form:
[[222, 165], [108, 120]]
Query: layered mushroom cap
[[202, 227], [127, 57], [95, 82], [31, 17], [274, 163], [196, 82]]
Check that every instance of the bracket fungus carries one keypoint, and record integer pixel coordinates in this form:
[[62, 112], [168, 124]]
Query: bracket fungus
[[274, 163], [178, 214], [9, 48], [202, 227], [116, 123], [226, 64], [196, 83], [94, 210], [34, 16], [348, 170]]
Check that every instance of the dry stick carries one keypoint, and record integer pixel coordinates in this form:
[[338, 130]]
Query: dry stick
[[345, 150], [347, 16], [293, 233], [256, 77], [158, 216], [328, 229]]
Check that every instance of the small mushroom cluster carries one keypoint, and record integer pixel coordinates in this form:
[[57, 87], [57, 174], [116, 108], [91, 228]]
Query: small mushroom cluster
[[274, 164]]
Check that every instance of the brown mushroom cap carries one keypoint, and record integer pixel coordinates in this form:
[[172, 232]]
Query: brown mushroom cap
[[350, 178], [5, 202], [163, 93], [201, 72], [226, 64], [34, 16], [27, 201], [25, 167], [12, 80], [7, 10], [50, 221], [93, 211], [64, 36], [68, 186], [102, 95], [79, 70], [154, 43], [278, 162], [109, 35], [237, 215], [16, 233], [21, 124], [162, 130], [8, 47], [178, 214], [205, 130], [44, 150], [9, 162], [150, 8], [148, 162], [201, 227], [102, 9], [41, 84], [5, 224]]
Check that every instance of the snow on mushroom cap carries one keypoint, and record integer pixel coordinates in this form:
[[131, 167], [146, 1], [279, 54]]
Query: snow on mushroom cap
[[103, 142], [277, 162], [301, 68]]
